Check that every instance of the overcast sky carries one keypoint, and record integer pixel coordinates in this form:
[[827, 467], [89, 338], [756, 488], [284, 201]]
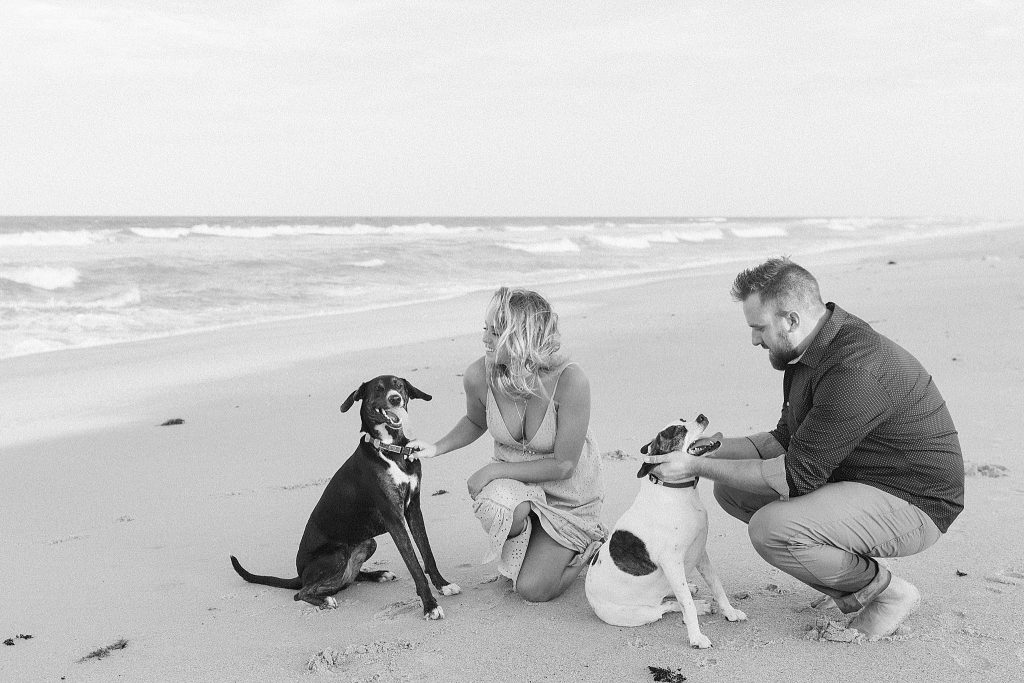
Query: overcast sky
[[501, 108]]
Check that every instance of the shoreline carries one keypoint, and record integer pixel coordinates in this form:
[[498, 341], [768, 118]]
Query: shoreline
[[578, 284], [34, 409]]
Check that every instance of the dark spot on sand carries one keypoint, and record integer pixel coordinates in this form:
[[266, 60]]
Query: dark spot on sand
[[960, 573], [661, 674], [439, 492], [173, 421], [9, 641], [102, 652]]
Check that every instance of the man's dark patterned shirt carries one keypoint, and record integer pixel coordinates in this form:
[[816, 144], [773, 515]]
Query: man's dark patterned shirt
[[858, 407]]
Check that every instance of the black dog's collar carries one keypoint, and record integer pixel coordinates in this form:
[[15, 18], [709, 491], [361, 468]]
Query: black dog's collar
[[679, 485], [390, 448]]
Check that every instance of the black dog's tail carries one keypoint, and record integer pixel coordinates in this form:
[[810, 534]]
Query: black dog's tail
[[274, 581]]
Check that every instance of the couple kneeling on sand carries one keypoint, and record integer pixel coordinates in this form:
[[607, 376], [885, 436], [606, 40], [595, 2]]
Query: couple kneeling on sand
[[864, 462]]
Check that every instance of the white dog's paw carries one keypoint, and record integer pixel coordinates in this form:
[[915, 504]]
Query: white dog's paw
[[451, 589], [700, 641], [386, 576], [703, 607], [733, 614], [329, 603], [436, 613]]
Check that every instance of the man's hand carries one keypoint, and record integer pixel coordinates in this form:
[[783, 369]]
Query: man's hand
[[675, 466]]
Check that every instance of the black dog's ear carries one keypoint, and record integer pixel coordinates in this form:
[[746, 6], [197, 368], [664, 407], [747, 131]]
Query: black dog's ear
[[646, 447], [353, 397], [414, 392]]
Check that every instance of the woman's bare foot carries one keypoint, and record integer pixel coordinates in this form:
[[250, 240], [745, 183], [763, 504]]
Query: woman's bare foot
[[883, 615]]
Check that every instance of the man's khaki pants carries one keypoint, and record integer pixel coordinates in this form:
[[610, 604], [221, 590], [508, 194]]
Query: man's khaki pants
[[827, 538]]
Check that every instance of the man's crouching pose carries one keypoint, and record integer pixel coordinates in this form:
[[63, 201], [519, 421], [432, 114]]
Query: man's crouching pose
[[864, 463]]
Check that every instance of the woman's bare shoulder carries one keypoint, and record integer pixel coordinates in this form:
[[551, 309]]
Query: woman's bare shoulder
[[573, 382], [475, 377]]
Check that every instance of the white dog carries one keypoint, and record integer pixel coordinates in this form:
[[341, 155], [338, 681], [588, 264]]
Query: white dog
[[655, 544]]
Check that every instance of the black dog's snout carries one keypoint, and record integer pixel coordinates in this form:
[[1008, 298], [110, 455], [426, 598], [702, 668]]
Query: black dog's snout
[[395, 400]]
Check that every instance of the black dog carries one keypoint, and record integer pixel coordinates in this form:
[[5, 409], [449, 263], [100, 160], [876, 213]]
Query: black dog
[[376, 490]]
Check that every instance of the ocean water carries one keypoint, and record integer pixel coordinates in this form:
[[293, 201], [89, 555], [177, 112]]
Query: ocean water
[[68, 282]]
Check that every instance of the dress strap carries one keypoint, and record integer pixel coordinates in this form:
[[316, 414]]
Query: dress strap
[[554, 389]]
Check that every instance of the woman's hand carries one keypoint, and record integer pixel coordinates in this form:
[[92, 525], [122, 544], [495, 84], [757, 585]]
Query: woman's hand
[[478, 480], [423, 449]]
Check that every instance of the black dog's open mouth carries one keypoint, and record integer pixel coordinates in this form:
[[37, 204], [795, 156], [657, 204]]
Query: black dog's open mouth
[[704, 448], [393, 417]]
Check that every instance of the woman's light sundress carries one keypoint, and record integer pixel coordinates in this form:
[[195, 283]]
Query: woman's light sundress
[[569, 510]]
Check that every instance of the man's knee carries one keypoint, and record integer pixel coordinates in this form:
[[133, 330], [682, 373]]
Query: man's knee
[[769, 530], [734, 501]]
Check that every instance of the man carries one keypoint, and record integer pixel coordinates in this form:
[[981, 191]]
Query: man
[[864, 462]]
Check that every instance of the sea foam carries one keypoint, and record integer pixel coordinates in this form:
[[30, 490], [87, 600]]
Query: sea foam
[[562, 246], [56, 238], [43, 277]]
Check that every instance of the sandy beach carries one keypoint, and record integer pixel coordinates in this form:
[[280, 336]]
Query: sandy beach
[[118, 529]]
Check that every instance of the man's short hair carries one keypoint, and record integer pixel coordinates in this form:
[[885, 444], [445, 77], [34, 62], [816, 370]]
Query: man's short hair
[[778, 281]]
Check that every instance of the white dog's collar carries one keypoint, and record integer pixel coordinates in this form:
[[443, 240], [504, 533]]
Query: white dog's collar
[[676, 485]]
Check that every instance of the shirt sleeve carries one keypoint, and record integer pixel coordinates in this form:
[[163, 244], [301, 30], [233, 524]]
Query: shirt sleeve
[[781, 431], [773, 471], [773, 461], [848, 404], [767, 445]]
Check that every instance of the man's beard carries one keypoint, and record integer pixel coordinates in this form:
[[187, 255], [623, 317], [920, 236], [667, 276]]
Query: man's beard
[[781, 357]]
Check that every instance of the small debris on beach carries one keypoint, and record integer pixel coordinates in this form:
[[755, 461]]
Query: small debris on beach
[[825, 629], [742, 595], [960, 573], [617, 454], [102, 652], [1006, 578], [306, 484], [9, 641], [173, 421], [439, 492], [985, 470], [661, 674]]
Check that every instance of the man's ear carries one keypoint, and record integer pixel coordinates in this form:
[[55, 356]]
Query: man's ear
[[353, 397], [414, 392], [793, 318]]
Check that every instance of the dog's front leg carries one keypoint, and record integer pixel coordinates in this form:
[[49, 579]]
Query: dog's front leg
[[414, 516], [708, 572], [400, 534], [676, 575]]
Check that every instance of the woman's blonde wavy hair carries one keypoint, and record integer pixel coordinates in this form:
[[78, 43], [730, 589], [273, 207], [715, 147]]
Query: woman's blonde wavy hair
[[527, 331]]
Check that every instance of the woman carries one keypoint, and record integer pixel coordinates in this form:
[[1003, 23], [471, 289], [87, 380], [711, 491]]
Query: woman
[[540, 497]]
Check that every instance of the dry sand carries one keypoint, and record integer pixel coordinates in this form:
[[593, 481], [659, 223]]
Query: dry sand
[[115, 528]]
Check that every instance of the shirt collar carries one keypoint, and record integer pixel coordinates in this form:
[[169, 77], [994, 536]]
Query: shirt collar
[[813, 354]]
